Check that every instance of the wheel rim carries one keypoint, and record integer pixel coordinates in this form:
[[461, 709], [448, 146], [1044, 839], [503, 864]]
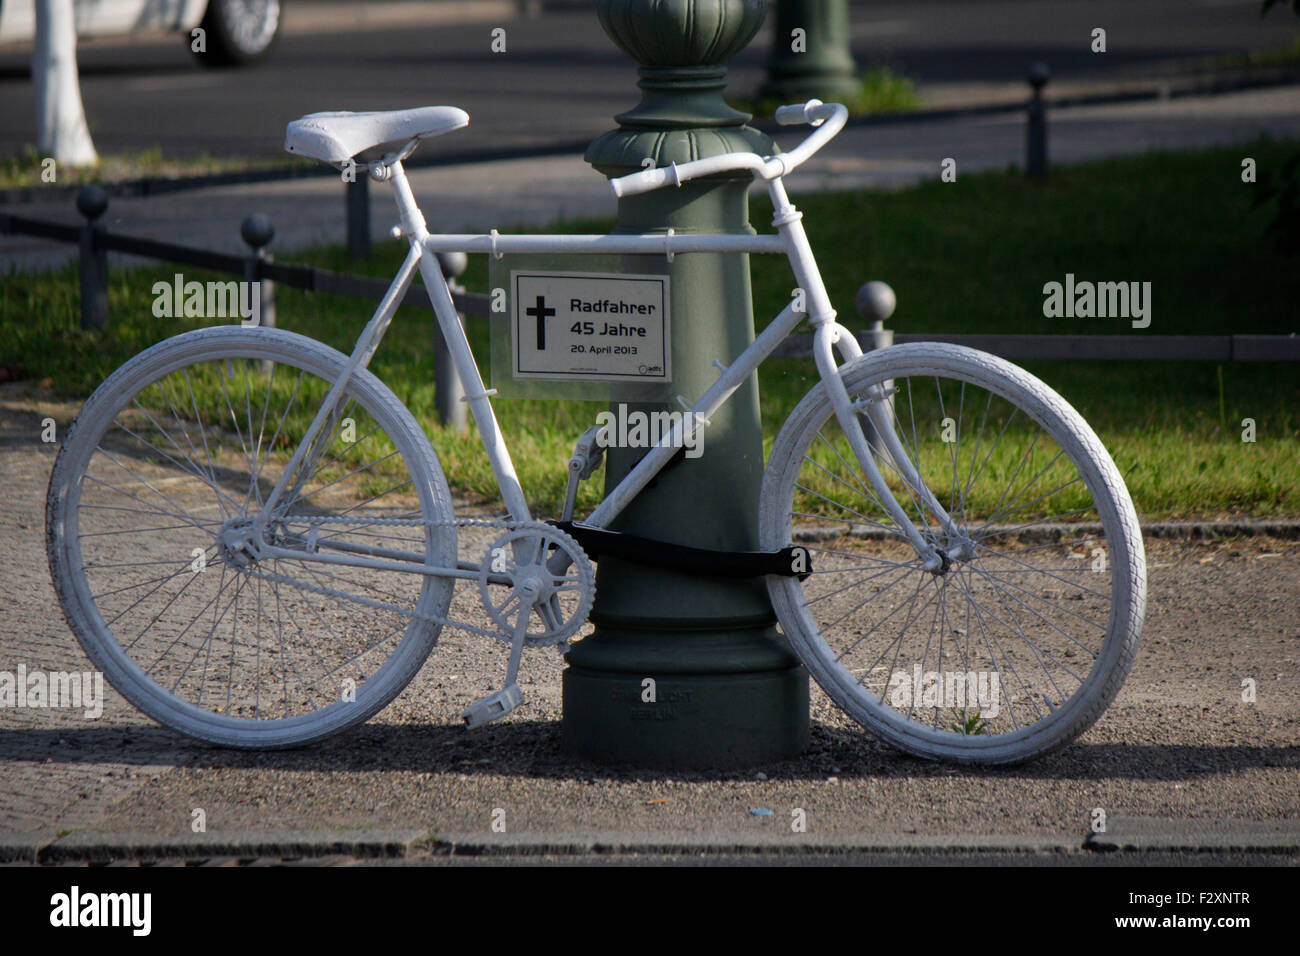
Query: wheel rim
[[206, 634], [1025, 619]]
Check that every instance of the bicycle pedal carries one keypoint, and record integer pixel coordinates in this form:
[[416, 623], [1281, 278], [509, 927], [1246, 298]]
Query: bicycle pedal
[[494, 705], [588, 453]]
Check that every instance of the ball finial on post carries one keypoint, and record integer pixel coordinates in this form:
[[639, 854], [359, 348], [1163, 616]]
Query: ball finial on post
[[875, 302], [91, 202], [453, 264], [256, 230]]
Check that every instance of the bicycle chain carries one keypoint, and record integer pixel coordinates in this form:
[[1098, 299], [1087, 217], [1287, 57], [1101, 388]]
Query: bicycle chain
[[414, 522], [509, 524]]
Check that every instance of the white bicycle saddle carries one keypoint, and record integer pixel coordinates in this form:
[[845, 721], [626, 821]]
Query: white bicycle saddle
[[338, 137]]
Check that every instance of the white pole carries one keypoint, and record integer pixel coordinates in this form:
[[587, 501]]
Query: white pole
[[61, 129]]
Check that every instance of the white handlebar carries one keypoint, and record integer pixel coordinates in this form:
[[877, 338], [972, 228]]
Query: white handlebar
[[829, 117], [814, 113], [649, 179], [641, 182]]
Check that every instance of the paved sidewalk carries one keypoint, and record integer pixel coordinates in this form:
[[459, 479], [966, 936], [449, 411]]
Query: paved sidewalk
[[476, 197], [1178, 746]]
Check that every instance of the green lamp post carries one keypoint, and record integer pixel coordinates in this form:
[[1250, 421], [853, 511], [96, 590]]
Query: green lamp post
[[684, 671], [810, 52]]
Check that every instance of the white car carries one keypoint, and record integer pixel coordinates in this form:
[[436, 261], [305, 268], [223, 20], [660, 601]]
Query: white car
[[236, 31]]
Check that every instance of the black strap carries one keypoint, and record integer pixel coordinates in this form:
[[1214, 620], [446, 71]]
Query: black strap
[[793, 561]]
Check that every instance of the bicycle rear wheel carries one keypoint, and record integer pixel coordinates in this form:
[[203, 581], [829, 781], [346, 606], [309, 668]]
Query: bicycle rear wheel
[[1001, 657], [164, 578]]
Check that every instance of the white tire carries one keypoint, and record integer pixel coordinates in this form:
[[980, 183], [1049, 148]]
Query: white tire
[[149, 498], [1047, 611]]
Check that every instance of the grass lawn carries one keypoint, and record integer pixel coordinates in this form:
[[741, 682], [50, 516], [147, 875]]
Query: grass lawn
[[970, 256], [29, 169]]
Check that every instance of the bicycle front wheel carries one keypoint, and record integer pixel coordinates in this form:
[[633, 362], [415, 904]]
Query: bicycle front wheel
[[172, 586], [998, 657]]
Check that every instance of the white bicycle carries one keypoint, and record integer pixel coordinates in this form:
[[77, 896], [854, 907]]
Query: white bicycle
[[253, 539]]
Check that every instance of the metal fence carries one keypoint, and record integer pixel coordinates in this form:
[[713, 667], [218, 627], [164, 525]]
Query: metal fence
[[95, 243]]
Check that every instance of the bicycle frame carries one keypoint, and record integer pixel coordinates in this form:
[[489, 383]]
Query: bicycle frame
[[829, 337], [232, 661]]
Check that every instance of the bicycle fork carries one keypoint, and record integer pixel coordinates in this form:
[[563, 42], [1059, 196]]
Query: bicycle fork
[[828, 336], [876, 407]]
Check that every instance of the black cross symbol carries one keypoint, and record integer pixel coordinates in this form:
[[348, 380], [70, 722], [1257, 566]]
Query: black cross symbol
[[541, 311]]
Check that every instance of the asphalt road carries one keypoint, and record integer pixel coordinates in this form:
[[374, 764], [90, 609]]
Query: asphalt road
[[535, 191], [562, 79]]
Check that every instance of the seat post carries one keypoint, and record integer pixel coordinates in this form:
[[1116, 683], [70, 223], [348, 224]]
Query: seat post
[[413, 224]]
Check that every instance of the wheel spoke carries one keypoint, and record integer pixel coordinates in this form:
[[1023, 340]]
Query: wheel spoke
[[991, 611], [257, 647]]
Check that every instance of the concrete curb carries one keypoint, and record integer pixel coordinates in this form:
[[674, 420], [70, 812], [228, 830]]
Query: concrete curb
[[1147, 834], [25, 847], [702, 844], [1273, 528], [1139, 835], [92, 847]]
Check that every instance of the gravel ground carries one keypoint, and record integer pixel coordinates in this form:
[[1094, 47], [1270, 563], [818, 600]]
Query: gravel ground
[[1177, 743]]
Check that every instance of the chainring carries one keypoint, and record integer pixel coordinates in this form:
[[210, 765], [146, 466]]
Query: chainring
[[520, 556]]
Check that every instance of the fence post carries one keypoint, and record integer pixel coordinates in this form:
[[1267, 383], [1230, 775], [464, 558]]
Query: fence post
[[357, 196], [1036, 128], [448, 390], [91, 203], [258, 232], [875, 302]]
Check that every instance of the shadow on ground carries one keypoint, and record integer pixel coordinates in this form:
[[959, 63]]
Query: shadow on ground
[[534, 749]]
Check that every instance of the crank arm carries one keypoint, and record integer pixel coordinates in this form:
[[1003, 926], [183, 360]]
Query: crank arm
[[502, 702]]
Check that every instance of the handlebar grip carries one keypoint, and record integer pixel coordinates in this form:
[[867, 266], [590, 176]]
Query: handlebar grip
[[798, 113], [642, 182]]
